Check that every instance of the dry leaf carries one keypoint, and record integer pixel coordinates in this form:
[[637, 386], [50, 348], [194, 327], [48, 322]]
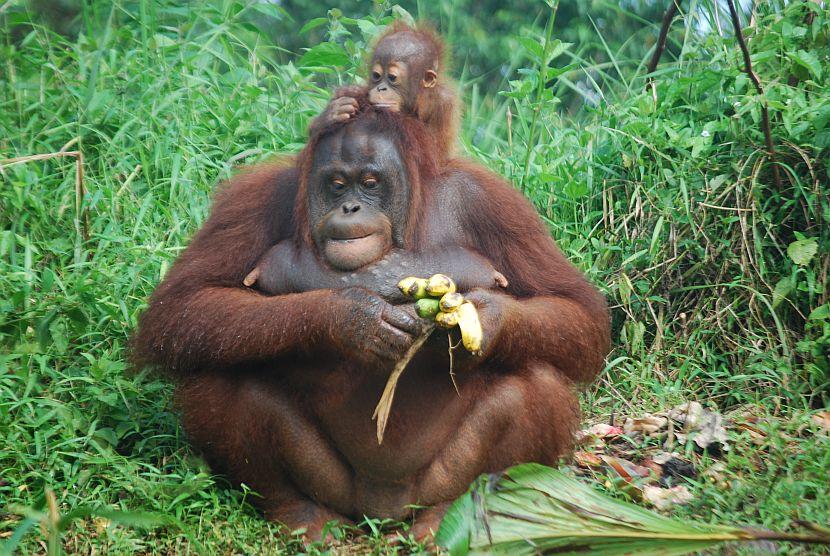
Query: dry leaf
[[647, 424], [663, 457], [601, 430], [665, 498], [822, 419], [689, 414], [101, 524], [628, 470], [596, 435], [653, 466], [712, 431], [587, 460], [703, 426]]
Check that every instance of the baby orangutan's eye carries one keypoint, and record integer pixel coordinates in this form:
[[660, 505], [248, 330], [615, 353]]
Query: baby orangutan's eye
[[392, 77], [375, 76]]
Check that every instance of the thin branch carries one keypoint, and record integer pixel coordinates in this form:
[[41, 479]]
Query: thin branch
[[668, 17], [765, 125]]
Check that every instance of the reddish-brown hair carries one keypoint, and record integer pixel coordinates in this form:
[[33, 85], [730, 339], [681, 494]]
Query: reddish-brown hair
[[418, 151], [426, 34]]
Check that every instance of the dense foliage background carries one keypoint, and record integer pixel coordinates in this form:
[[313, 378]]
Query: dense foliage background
[[664, 194]]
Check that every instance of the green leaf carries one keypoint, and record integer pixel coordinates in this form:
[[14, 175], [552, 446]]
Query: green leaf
[[809, 61], [43, 332], [790, 30], [325, 54], [802, 251], [782, 289], [271, 9], [533, 509], [369, 29], [576, 188], [404, 15], [557, 48], [532, 46], [822, 312], [313, 24]]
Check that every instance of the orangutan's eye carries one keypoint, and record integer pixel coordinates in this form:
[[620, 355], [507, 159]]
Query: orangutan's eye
[[338, 185], [392, 77], [370, 183], [375, 76]]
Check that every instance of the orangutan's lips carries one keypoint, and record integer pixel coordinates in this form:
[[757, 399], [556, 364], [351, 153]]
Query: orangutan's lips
[[355, 252], [354, 245], [350, 239], [387, 106]]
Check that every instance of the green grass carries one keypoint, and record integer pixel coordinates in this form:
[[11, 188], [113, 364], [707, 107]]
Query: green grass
[[669, 206]]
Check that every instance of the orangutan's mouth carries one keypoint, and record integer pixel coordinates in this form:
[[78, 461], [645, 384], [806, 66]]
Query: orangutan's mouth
[[391, 106]]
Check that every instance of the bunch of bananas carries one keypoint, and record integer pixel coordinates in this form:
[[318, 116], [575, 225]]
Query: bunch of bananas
[[437, 300]]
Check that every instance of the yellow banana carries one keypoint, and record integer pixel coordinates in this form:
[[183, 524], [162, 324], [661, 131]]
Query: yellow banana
[[446, 320], [413, 287], [450, 302], [470, 325], [440, 284]]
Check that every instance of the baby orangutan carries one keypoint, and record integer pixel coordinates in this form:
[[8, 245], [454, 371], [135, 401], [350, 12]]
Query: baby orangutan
[[405, 75]]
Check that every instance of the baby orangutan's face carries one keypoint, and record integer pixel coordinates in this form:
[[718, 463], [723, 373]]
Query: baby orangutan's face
[[401, 66], [390, 86]]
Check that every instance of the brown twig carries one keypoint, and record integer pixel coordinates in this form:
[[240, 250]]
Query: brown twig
[[765, 125], [817, 534], [450, 351], [668, 17]]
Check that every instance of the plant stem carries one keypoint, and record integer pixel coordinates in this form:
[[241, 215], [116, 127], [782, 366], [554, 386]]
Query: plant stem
[[765, 125], [668, 17], [540, 87]]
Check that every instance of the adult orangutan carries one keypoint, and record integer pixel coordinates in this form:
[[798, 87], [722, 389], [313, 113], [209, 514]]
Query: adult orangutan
[[278, 391]]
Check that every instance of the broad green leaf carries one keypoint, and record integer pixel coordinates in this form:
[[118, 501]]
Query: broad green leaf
[[533, 509], [821, 312], [802, 251], [557, 48], [789, 30], [556, 72], [809, 61], [325, 54], [576, 188], [369, 29], [532, 46]]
